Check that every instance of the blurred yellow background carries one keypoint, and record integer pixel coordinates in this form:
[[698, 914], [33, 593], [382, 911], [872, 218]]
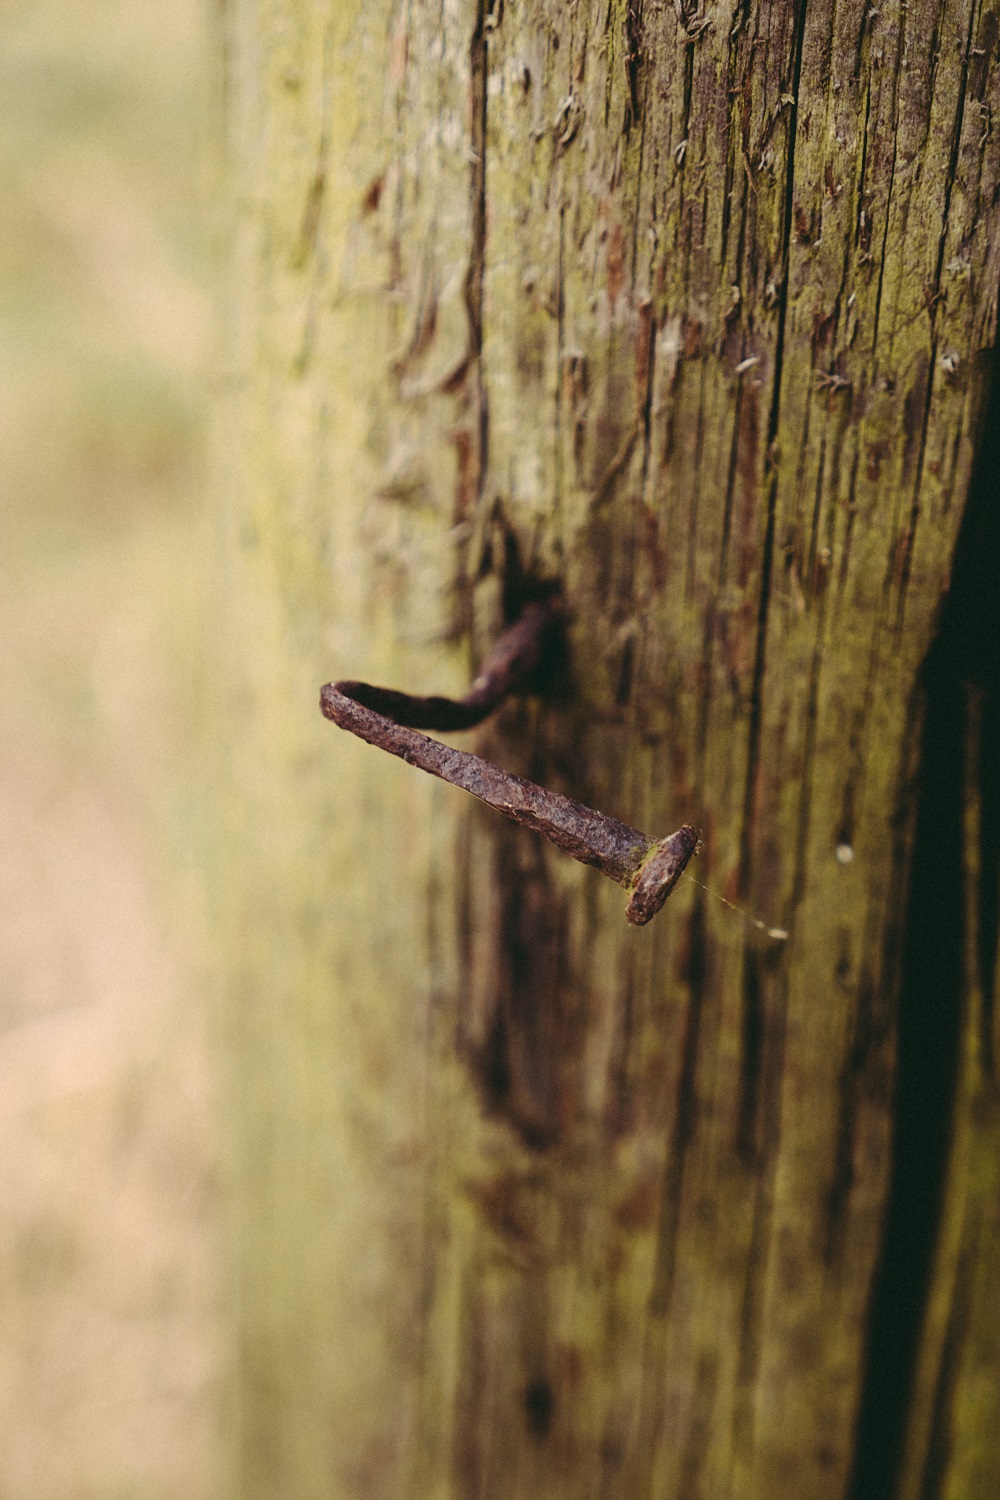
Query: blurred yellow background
[[109, 1339]]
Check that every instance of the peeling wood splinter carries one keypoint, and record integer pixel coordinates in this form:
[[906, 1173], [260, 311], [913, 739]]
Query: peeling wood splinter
[[648, 868]]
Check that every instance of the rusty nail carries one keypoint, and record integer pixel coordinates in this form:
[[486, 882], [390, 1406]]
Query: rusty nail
[[648, 868]]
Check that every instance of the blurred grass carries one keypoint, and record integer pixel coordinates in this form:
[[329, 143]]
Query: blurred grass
[[109, 1343]]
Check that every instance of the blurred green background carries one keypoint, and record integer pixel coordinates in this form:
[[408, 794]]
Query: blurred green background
[[109, 1342]]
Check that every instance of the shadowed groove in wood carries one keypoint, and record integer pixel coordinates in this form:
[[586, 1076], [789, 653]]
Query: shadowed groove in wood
[[928, 1030], [932, 1006], [763, 1023]]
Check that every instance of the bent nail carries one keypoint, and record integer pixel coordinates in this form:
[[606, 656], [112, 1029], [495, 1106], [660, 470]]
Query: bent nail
[[507, 669], [648, 868]]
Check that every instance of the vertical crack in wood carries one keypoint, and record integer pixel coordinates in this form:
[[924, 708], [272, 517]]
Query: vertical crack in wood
[[895, 74], [934, 987], [767, 551], [929, 1025], [933, 300], [763, 1034]]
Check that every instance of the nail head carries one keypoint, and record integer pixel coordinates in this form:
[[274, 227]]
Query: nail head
[[660, 872]]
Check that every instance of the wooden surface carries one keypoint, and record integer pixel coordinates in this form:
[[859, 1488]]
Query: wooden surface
[[682, 312]]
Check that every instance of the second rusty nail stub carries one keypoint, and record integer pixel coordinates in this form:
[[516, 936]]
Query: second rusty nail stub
[[648, 868]]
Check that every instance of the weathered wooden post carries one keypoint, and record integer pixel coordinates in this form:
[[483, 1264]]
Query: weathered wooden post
[[683, 311]]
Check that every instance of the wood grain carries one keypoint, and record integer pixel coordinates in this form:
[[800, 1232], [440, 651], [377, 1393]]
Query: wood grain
[[686, 312]]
